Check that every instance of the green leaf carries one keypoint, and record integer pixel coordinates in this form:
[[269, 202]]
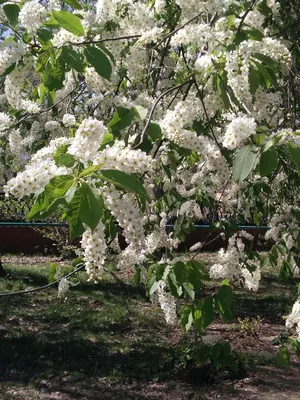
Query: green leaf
[[44, 35], [254, 79], [90, 170], [99, 61], [154, 287], [54, 75], [282, 357], [180, 272], [73, 59], [62, 158], [266, 73], [295, 153], [175, 287], [35, 211], [196, 274], [187, 318], [243, 163], [154, 132], [264, 8], [53, 195], [125, 181], [75, 223], [204, 314], [224, 88], [296, 346], [225, 303], [268, 162], [139, 112], [121, 119], [137, 276], [69, 22], [12, 13], [255, 34], [216, 351], [42, 61], [74, 4], [51, 23], [91, 206], [57, 188], [52, 272]]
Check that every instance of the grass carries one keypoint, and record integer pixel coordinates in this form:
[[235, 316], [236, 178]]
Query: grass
[[107, 341]]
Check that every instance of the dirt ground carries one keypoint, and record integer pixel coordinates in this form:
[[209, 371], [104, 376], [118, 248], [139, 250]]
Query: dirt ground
[[44, 358]]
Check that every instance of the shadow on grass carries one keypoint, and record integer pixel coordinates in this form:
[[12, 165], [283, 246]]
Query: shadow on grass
[[270, 309], [27, 358]]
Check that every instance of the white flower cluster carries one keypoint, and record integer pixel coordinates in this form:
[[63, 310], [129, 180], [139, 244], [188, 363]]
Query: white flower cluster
[[63, 37], [88, 138], [125, 159], [127, 213], [32, 15], [69, 120], [63, 288], [54, 128], [239, 129], [232, 263], [294, 318], [94, 81], [167, 303], [159, 238], [38, 172], [94, 246], [191, 209], [15, 84], [10, 53], [238, 63], [5, 122]]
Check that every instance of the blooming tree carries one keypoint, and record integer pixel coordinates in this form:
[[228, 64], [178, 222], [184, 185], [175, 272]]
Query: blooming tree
[[125, 115]]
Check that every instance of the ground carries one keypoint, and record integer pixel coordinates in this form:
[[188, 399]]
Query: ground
[[108, 341]]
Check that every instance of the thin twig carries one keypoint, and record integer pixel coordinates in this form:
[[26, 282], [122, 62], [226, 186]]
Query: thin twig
[[46, 109], [178, 29], [245, 16], [154, 107], [106, 40]]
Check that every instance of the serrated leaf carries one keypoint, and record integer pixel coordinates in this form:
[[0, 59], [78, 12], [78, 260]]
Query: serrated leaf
[[91, 206], [137, 276], [74, 4], [69, 22], [187, 318], [295, 153], [12, 13], [99, 61], [44, 35], [62, 158], [75, 223], [204, 314], [255, 34], [180, 272], [254, 79], [243, 163], [268, 162], [73, 59], [139, 112], [154, 132], [125, 181], [224, 300]]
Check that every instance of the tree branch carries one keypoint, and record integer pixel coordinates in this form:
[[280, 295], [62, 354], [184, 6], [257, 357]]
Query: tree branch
[[42, 287]]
